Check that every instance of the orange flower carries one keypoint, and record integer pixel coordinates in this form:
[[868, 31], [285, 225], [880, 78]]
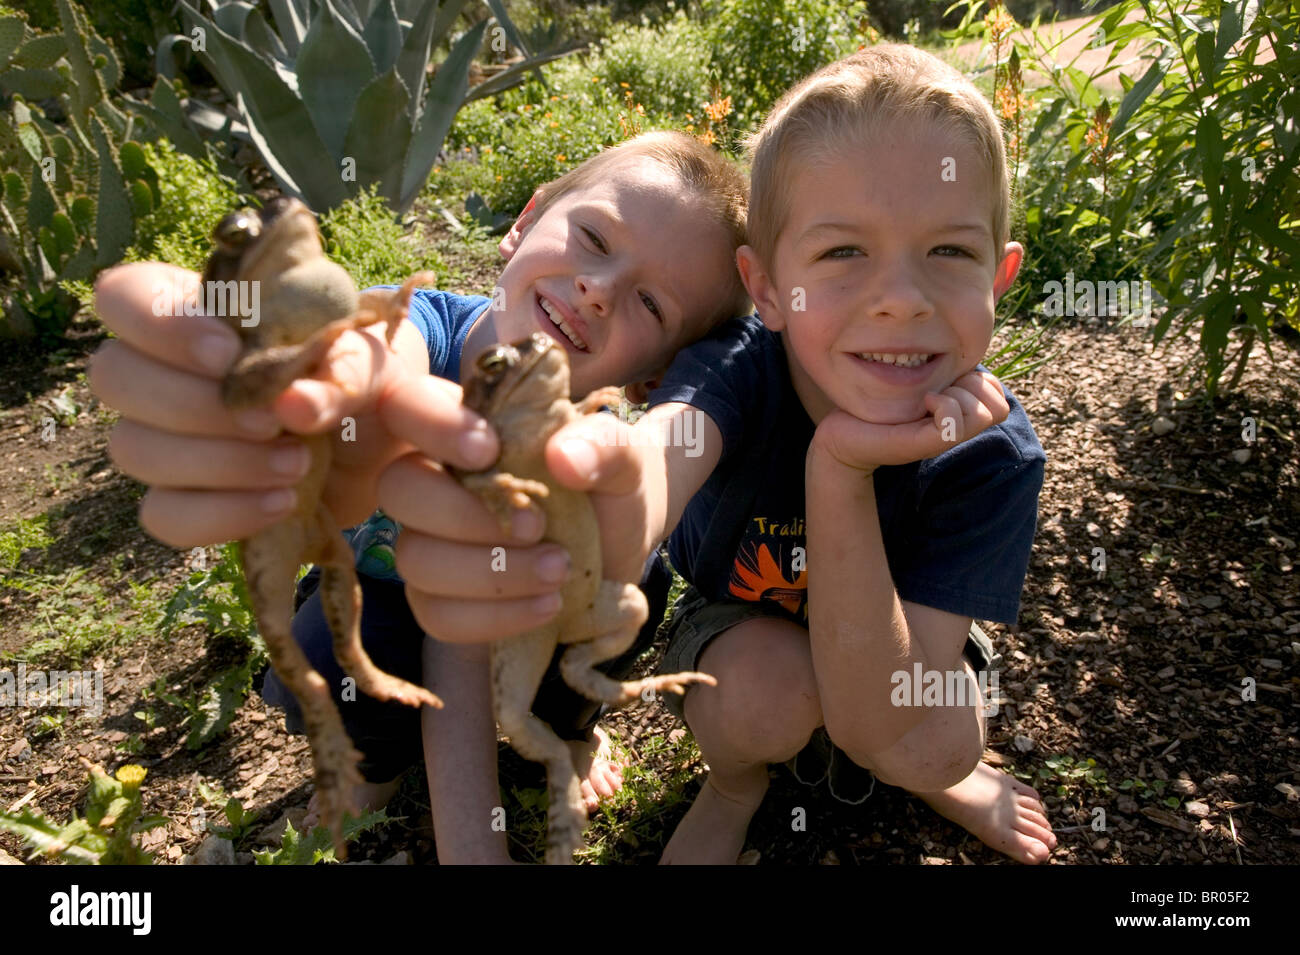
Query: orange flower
[[719, 109]]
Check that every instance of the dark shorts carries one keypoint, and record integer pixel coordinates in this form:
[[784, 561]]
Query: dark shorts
[[693, 625], [389, 734]]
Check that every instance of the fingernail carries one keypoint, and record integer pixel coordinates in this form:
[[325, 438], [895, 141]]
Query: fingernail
[[281, 500], [526, 525], [582, 455], [214, 353], [553, 567], [546, 604], [477, 446], [257, 422], [292, 459]]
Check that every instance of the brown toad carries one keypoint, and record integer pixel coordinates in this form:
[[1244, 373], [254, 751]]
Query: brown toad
[[523, 390], [304, 303]]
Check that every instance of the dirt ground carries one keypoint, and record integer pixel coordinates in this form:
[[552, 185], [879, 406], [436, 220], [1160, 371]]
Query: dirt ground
[[1138, 667]]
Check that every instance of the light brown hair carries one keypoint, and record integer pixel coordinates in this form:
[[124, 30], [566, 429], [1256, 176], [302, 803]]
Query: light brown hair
[[719, 188], [832, 110]]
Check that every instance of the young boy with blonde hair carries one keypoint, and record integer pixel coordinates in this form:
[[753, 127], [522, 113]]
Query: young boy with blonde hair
[[623, 261], [865, 489]]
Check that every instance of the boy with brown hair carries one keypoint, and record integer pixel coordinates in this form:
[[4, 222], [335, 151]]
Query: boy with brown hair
[[623, 261]]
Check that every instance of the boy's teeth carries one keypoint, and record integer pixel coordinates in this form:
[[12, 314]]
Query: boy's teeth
[[905, 361], [563, 326]]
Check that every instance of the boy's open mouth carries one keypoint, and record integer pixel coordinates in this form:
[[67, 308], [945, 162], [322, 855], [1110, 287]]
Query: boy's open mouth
[[553, 314]]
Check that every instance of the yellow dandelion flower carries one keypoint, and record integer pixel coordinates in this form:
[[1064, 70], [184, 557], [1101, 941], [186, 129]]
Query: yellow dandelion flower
[[131, 776], [560, 157]]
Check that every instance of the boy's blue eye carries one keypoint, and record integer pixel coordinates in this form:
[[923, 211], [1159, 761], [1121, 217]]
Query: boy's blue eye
[[842, 252], [595, 239], [650, 304], [952, 251]]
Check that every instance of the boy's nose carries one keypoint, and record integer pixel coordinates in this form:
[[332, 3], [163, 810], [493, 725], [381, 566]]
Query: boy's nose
[[595, 290], [899, 295]]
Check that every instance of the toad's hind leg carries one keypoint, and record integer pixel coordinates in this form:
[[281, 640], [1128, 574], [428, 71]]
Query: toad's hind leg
[[518, 665], [618, 613], [270, 560], [340, 596]]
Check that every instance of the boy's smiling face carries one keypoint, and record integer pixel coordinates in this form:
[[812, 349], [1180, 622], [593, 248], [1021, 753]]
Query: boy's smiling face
[[893, 262], [620, 272]]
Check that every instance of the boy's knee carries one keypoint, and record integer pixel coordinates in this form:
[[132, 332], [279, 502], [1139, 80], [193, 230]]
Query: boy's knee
[[767, 692]]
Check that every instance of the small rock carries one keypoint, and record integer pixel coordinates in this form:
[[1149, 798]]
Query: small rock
[[1022, 743], [7, 859], [1093, 530], [213, 851], [1102, 844], [1211, 602], [1270, 664], [935, 860], [175, 852], [1290, 792], [675, 734], [1184, 787], [1162, 425], [1241, 455], [1166, 673], [1126, 804], [1197, 808], [401, 858], [273, 835], [20, 750]]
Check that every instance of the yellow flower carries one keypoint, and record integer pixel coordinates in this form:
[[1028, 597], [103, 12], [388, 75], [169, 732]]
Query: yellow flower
[[131, 776], [719, 109], [560, 157], [555, 99], [625, 86], [554, 124]]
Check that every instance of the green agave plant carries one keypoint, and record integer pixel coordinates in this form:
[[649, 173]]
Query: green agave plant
[[335, 97]]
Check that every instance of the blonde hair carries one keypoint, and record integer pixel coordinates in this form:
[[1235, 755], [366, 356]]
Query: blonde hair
[[833, 109], [718, 185]]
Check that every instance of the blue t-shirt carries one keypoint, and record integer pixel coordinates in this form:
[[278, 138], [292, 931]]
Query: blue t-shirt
[[957, 528], [444, 320]]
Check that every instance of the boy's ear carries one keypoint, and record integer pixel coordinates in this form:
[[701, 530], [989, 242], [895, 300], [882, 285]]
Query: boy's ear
[[510, 244], [638, 393], [762, 290], [1006, 271]]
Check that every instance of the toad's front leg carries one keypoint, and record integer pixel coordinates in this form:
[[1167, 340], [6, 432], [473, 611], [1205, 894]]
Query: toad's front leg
[[518, 665]]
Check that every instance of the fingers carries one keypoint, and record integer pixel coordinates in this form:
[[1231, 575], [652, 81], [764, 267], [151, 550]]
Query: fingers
[[452, 570], [596, 450], [478, 621], [154, 393], [972, 403], [424, 498], [182, 518], [426, 412], [146, 306], [352, 376], [182, 461]]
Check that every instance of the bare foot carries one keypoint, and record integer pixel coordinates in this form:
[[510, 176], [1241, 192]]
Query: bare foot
[[713, 831], [601, 776], [366, 796], [1000, 811]]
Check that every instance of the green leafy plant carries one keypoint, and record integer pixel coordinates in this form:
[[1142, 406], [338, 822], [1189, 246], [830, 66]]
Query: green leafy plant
[[33, 532], [317, 845], [362, 236], [70, 193], [217, 597], [104, 836], [336, 100], [1191, 175]]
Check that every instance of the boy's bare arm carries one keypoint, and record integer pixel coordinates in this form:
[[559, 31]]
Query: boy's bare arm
[[460, 753], [861, 632]]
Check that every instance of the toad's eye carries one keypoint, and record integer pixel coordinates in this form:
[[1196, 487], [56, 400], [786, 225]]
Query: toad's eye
[[494, 363], [237, 229], [652, 306], [595, 240]]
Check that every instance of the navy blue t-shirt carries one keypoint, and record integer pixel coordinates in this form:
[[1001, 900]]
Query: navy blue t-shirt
[[957, 528]]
